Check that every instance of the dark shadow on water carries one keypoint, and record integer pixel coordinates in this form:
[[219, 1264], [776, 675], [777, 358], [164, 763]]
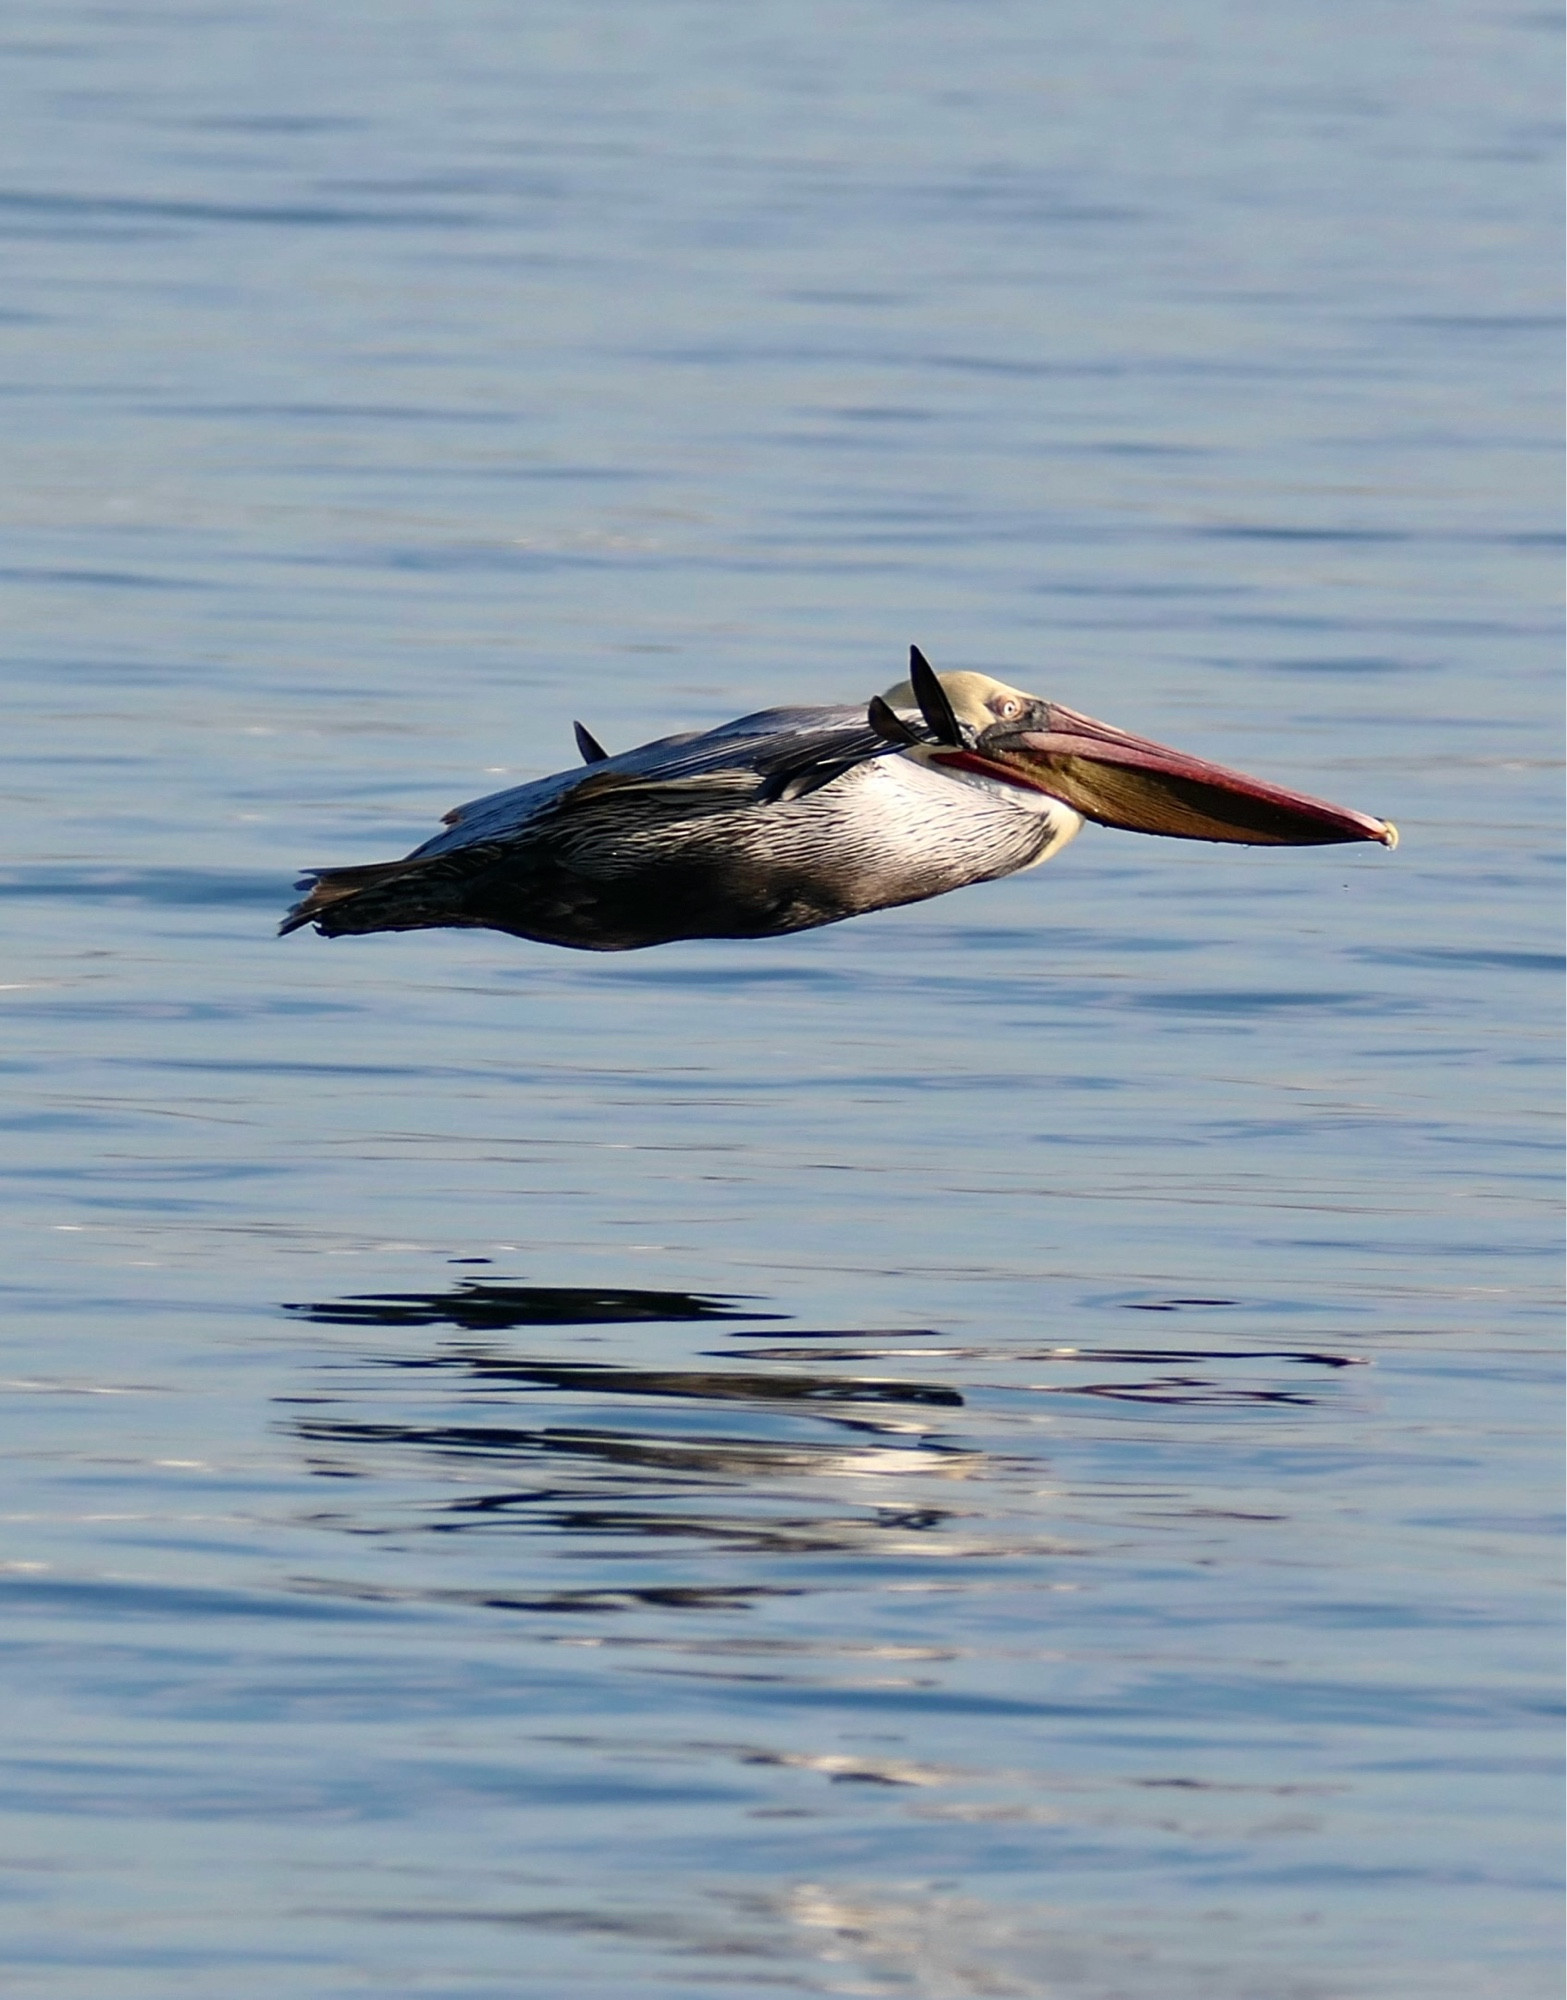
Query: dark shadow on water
[[482, 1308], [1170, 1305], [637, 1490], [626, 1453], [727, 1454], [512, 1418], [707, 1385], [658, 1597], [1191, 1389]]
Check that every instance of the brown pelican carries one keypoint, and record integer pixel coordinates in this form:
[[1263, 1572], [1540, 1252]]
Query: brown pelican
[[796, 817]]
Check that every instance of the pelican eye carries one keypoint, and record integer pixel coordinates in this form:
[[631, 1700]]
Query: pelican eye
[[1007, 708]]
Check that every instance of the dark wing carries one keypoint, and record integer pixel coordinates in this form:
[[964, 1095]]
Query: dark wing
[[765, 765], [588, 745], [760, 760], [763, 759]]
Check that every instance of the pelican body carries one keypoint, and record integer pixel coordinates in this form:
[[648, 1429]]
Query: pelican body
[[797, 817]]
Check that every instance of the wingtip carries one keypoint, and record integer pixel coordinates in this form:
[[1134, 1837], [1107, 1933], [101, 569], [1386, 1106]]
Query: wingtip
[[588, 745], [935, 705], [299, 915], [889, 725]]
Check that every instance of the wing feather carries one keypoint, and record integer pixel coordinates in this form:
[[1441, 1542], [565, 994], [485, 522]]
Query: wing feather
[[774, 756]]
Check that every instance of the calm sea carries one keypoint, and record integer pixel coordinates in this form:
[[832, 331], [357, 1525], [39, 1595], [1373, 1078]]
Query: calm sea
[[1006, 1449]]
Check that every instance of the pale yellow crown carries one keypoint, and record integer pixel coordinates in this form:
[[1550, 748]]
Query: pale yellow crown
[[970, 695]]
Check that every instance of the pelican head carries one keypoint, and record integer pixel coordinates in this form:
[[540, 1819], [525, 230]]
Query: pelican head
[[981, 726]]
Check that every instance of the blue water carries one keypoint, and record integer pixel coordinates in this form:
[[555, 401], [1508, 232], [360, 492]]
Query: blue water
[[1008, 1448]]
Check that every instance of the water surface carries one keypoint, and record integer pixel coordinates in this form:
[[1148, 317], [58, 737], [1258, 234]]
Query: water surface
[[1003, 1449]]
